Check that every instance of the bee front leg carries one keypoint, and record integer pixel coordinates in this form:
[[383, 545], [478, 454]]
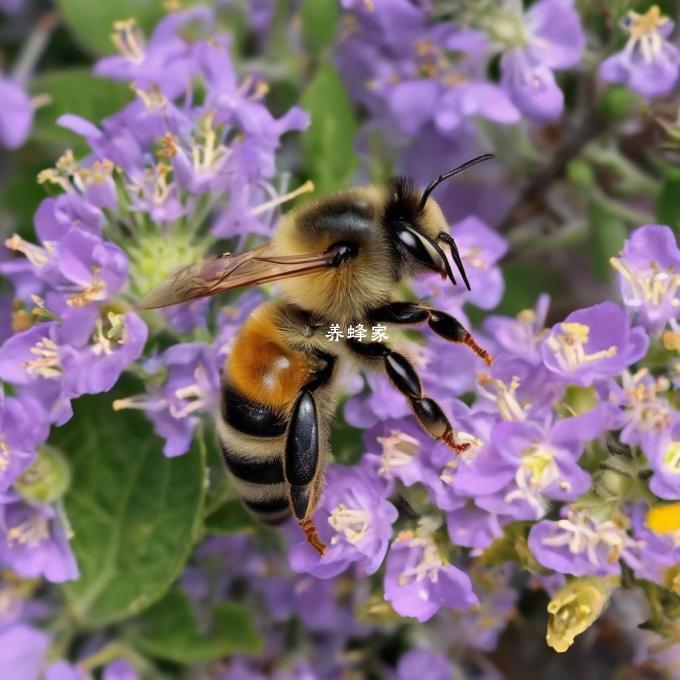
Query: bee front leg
[[301, 459], [443, 324], [404, 377]]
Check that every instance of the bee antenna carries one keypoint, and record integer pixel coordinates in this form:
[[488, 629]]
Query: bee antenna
[[436, 182]]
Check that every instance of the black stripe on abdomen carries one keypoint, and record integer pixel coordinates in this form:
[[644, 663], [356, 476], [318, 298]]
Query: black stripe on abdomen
[[273, 511], [253, 470], [271, 505], [250, 417]]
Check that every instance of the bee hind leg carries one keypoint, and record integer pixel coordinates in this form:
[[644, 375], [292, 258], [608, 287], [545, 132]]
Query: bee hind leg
[[441, 323], [404, 377], [301, 459]]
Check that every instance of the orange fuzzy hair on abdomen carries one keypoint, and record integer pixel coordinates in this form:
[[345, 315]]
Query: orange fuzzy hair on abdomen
[[261, 367]]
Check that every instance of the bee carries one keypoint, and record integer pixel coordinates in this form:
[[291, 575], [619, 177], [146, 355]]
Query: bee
[[339, 260]]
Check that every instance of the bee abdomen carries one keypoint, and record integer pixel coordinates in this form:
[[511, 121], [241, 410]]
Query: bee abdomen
[[272, 511], [253, 470], [250, 417]]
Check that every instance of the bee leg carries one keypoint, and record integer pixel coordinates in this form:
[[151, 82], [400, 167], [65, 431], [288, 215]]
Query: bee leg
[[441, 323], [404, 377], [301, 459]]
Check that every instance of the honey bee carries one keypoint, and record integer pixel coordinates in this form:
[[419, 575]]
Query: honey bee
[[339, 260]]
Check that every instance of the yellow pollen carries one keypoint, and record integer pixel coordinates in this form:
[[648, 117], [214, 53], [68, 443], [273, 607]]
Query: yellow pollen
[[644, 24], [36, 255], [4, 455], [351, 523], [95, 291], [671, 340], [46, 364], [664, 518], [504, 396], [30, 533], [168, 145], [671, 459], [568, 346], [128, 40], [397, 450]]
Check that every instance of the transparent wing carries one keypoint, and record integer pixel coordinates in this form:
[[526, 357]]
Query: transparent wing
[[227, 271]]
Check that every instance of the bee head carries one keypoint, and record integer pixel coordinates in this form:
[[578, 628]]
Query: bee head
[[416, 224]]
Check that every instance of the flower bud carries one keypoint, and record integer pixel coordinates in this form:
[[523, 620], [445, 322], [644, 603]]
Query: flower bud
[[48, 479], [574, 608], [580, 173], [613, 484]]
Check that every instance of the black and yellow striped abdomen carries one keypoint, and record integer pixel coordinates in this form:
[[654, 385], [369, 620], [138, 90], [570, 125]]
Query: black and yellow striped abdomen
[[262, 378]]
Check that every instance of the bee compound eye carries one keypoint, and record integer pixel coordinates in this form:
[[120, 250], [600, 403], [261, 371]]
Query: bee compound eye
[[341, 252]]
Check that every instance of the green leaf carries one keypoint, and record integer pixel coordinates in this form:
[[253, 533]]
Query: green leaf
[[668, 202], [135, 514], [74, 91], [319, 19], [92, 22], [328, 144], [607, 233], [169, 630]]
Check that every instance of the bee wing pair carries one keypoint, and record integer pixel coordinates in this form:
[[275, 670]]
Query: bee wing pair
[[227, 271]]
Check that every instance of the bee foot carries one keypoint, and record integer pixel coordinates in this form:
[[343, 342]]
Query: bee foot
[[479, 351], [312, 537], [449, 440]]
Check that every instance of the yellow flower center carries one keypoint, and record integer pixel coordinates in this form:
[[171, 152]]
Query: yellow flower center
[[504, 396], [398, 450], [643, 30], [46, 363], [129, 40], [653, 287], [429, 565], [568, 346], [30, 533], [647, 23], [351, 523], [671, 459]]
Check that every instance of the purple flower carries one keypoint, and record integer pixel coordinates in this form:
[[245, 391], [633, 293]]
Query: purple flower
[[191, 386], [397, 449], [22, 651], [549, 37], [96, 268], [353, 520], [16, 114], [424, 664], [580, 544], [522, 336], [518, 389], [415, 75], [166, 61], [649, 275], [473, 527], [419, 580], [649, 64], [658, 547], [120, 669], [644, 416], [23, 425], [33, 543], [96, 367], [542, 462], [592, 343], [63, 670], [664, 458]]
